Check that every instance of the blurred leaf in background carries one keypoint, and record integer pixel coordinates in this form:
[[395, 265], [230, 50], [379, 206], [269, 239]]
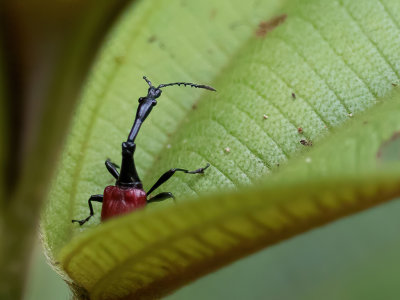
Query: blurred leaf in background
[[47, 48]]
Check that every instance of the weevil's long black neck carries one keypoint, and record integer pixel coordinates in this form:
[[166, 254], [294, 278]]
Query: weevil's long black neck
[[128, 175], [144, 109]]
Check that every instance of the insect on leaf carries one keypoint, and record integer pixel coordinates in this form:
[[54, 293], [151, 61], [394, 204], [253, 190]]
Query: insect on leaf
[[337, 58]]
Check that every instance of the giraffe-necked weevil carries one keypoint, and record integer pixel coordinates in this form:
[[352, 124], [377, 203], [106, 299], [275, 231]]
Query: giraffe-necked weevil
[[127, 194]]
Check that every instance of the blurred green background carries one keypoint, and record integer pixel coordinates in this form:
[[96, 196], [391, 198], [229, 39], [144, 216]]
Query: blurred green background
[[352, 258]]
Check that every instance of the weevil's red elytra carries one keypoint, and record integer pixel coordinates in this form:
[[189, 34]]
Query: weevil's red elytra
[[120, 200], [127, 194]]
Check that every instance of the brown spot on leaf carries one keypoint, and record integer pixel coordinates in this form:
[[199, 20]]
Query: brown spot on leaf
[[293, 95], [213, 13], [119, 59], [152, 39], [390, 149], [300, 130], [305, 142], [266, 26]]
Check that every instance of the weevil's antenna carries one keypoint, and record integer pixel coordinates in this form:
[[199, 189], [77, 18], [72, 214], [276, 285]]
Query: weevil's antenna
[[148, 81], [200, 86]]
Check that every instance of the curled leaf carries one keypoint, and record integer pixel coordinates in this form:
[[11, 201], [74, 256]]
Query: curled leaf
[[149, 254], [325, 53]]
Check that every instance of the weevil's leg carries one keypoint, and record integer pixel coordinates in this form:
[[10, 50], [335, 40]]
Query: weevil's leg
[[160, 197], [167, 175], [112, 168], [97, 198]]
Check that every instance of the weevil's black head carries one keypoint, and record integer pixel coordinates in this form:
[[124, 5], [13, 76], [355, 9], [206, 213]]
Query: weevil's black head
[[153, 92]]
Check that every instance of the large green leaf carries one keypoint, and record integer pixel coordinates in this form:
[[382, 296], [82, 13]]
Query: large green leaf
[[102, 121], [152, 253], [336, 58]]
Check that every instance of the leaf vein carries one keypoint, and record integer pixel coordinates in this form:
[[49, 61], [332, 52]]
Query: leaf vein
[[312, 67], [341, 57], [252, 152], [374, 45]]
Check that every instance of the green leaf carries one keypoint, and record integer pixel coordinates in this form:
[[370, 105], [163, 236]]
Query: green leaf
[[148, 254], [337, 58], [108, 105]]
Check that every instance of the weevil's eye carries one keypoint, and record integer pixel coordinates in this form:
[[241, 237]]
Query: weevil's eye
[[141, 99]]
